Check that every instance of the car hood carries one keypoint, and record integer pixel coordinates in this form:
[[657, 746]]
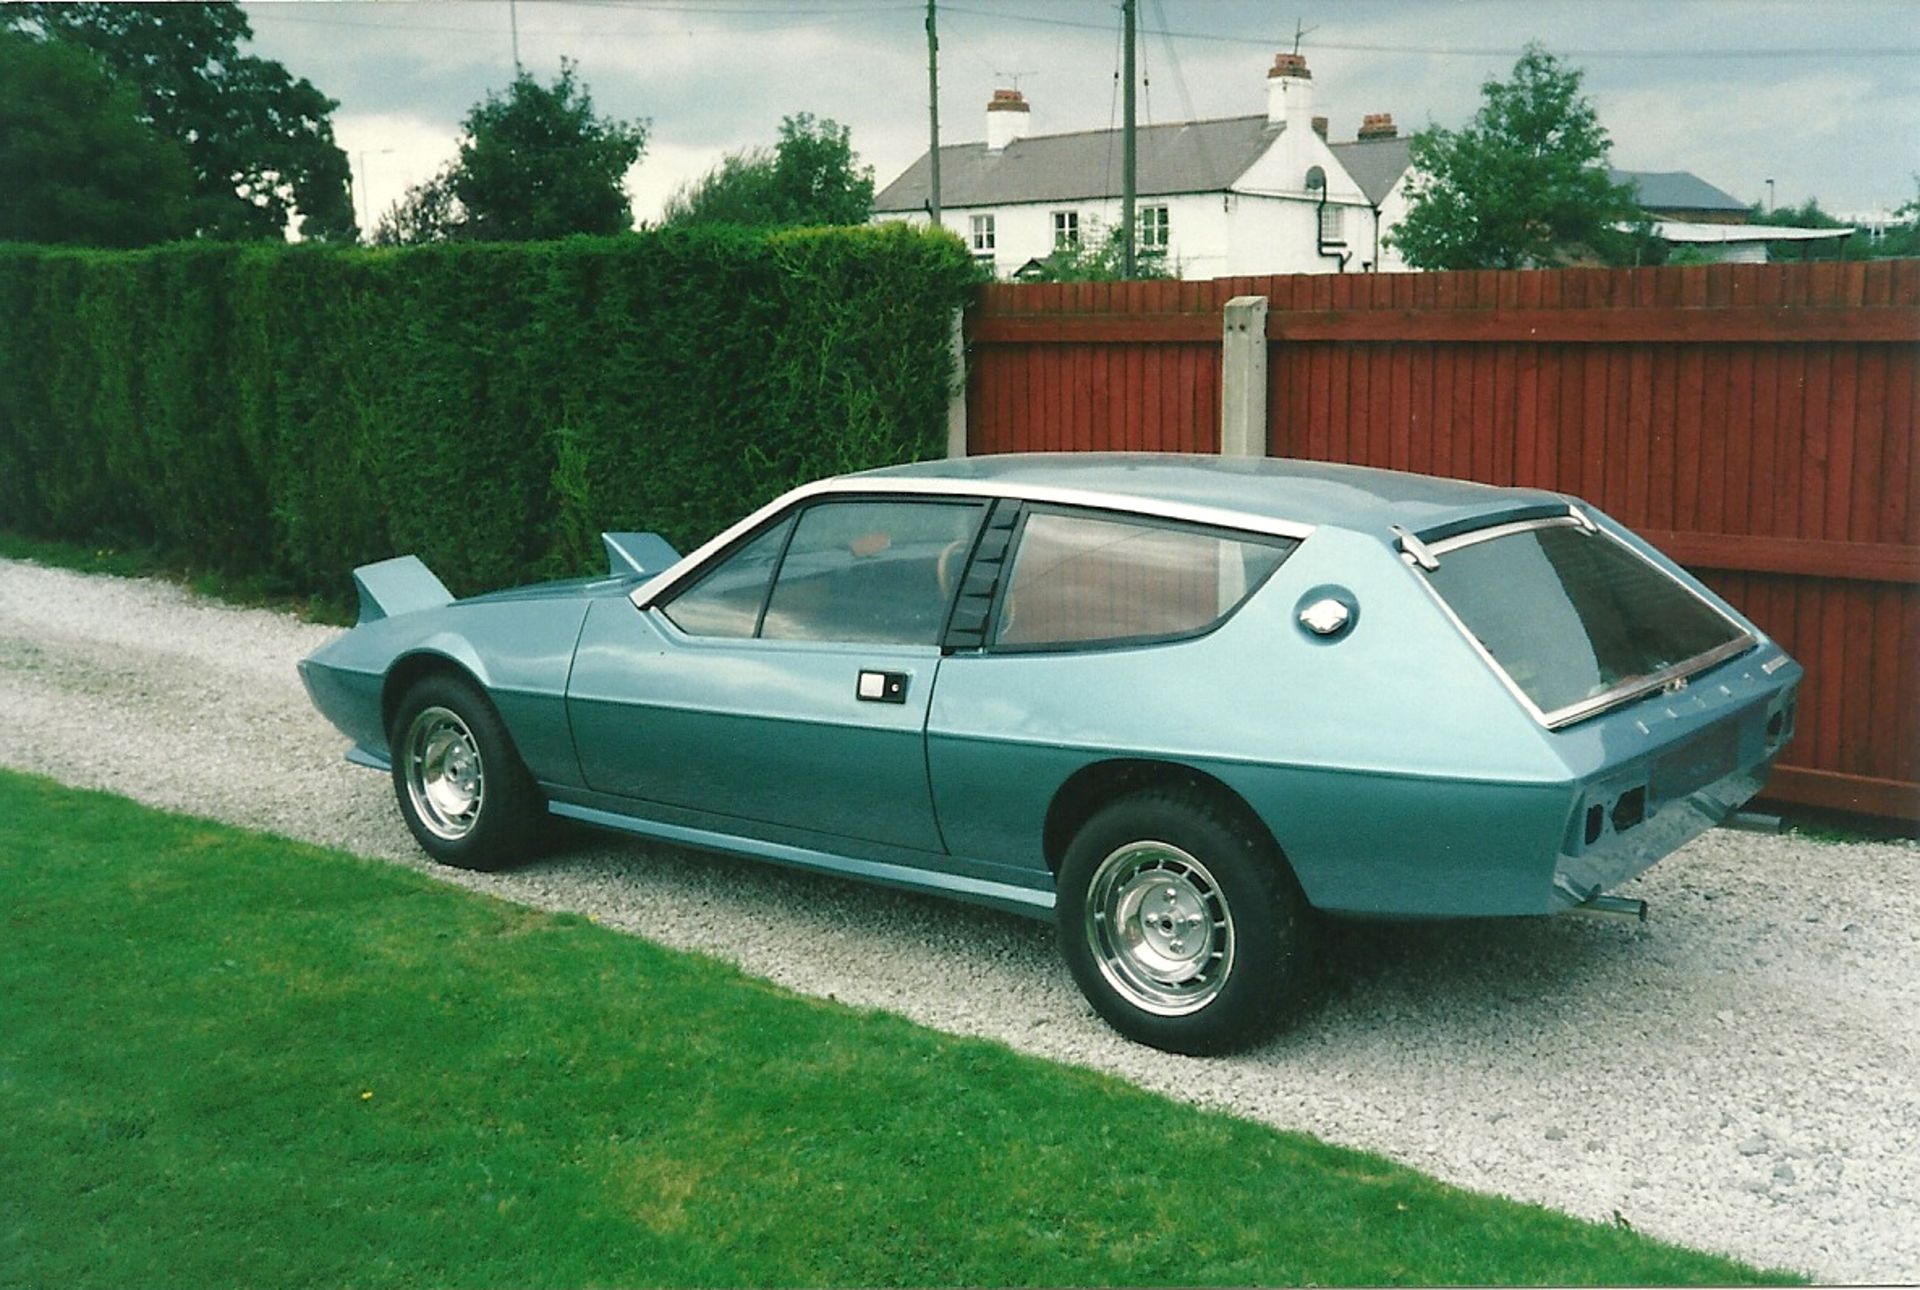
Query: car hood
[[564, 589]]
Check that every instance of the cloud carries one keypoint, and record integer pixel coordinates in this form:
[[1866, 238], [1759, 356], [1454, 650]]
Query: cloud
[[390, 152], [715, 76], [1759, 126]]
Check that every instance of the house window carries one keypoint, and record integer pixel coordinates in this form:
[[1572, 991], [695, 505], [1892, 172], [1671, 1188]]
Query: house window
[[1066, 230], [1153, 226], [1333, 224], [983, 234]]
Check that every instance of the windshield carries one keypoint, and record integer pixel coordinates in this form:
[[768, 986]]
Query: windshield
[[1577, 618]]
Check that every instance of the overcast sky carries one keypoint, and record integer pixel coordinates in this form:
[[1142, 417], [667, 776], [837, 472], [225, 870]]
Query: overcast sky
[[1821, 96]]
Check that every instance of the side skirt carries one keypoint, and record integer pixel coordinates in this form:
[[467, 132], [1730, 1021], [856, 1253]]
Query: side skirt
[[372, 761], [979, 891]]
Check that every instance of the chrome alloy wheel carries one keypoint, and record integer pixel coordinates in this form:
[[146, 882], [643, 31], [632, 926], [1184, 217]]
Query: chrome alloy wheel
[[1159, 928], [445, 778]]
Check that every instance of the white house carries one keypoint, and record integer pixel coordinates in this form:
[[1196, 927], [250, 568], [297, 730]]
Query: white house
[[1241, 195]]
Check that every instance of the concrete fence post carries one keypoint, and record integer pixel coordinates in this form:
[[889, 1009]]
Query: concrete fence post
[[957, 396], [1243, 377]]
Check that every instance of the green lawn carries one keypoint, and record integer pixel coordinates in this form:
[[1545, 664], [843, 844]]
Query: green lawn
[[230, 1059]]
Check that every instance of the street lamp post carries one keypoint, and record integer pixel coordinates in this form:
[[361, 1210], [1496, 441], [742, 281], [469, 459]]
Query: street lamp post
[[360, 186]]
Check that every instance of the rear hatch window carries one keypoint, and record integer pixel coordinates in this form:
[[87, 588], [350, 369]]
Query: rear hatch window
[[1576, 619]]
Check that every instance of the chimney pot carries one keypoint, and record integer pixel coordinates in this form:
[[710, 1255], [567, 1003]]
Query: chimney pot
[[1294, 65], [1007, 119], [1378, 125], [1290, 91], [1320, 126]]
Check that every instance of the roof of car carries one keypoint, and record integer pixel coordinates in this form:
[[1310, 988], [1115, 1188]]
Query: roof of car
[[1315, 493]]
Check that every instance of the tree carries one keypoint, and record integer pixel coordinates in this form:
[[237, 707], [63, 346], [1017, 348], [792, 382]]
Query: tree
[[427, 213], [1808, 214], [1097, 257], [1903, 239], [810, 177], [259, 142], [534, 163], [1524, 185], [77, 163]]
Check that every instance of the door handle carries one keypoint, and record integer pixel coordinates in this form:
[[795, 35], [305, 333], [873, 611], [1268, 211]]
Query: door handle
[[881, 687]]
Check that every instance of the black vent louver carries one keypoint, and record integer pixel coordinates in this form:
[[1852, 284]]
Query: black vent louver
[[967, 628]]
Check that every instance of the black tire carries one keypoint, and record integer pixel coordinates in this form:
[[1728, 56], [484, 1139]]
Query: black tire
[[465, 794], [1183, 925]]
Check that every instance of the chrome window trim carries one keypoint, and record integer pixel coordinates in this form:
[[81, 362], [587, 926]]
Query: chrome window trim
[[652, 590], [1473, 537], [1620, 694]]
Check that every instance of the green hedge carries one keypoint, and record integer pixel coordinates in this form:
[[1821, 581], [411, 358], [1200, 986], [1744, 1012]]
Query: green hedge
[[294, 411]]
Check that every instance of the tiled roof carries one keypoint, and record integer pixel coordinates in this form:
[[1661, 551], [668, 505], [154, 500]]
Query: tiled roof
[[1192, 157], [1375, 164], [1677, 190], [1182, 157]]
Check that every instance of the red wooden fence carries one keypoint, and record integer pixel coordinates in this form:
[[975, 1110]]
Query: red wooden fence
[[1758, 422]]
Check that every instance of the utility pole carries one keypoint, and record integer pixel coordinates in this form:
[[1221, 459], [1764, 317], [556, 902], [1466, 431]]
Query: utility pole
[[1129, 151], [513, 25], [933, 111]]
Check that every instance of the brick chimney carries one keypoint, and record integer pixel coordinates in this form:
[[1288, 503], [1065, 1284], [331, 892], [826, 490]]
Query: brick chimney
[[1289, 91], [1378, 125], [1007, 118], [1320, 126]]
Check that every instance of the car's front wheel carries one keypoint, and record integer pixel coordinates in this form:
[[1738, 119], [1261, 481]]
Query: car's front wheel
[[463, 791], [1182, 924]]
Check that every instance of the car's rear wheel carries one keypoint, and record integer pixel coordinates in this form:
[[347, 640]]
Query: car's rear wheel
[[463, 791], [1182, 923]]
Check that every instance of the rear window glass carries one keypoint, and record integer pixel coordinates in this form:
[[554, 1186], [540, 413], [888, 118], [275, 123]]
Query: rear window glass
[[1077, 579], [1572, 615]]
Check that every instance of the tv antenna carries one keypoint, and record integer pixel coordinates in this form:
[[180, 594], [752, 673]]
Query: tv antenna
[[1014, 76], [1300, 32]]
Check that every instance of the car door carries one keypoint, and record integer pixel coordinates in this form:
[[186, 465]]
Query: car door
[[787, 685]]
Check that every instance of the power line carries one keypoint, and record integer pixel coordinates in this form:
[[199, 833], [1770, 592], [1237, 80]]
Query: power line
[[819, 17], [1465, 51], [801, 19]]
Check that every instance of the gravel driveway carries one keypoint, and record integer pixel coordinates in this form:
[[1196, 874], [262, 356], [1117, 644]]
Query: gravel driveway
[[1741, 1075]]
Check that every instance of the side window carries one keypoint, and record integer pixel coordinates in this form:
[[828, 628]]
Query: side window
[[726, 600], [876, 571], [1078, 579]]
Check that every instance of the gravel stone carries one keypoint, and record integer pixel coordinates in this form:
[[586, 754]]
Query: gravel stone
[[1460, 1048]]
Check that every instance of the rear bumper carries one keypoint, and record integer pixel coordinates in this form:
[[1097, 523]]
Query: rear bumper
[[1628, 818], [351, 701]]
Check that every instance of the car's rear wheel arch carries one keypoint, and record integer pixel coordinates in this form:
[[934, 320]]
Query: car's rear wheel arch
[[1102, 783]]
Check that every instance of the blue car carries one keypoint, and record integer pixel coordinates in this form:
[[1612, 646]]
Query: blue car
[[1182, 706]]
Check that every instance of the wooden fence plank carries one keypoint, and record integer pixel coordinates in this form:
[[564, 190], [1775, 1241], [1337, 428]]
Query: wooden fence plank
[[1758, 422]]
